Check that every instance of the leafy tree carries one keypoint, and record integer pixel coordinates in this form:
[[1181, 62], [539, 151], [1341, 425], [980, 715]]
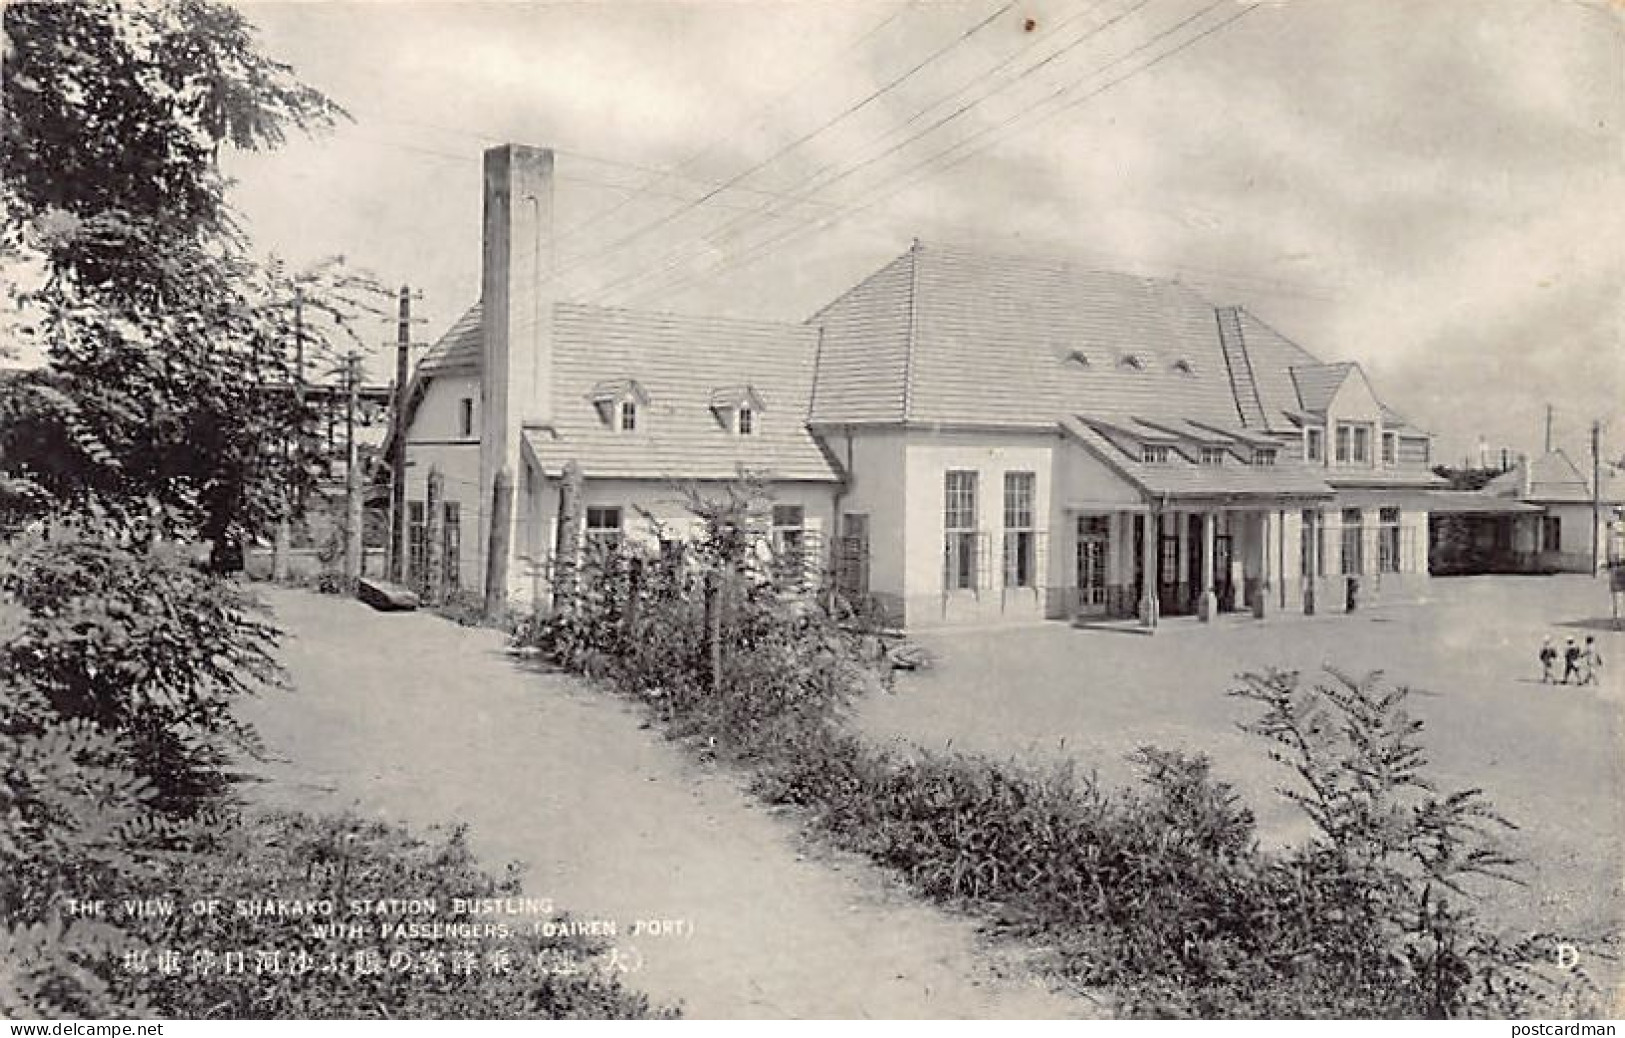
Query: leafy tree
[[171, 352]]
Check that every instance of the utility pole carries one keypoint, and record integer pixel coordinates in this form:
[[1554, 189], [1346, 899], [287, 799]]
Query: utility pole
[[397, 454], [293, 501], [353, 543], [398, 550], [1548, 428], [1596, 496]]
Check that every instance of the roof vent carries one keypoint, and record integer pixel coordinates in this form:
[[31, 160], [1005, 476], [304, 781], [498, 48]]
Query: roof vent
[[1131, 360], [1184, 367], [1078, 358]]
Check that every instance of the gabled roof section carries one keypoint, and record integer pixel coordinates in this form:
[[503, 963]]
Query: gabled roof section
[[614, 390], [728, 398], [679, 362], [1554, 478], [1317, 384], [458, 351]]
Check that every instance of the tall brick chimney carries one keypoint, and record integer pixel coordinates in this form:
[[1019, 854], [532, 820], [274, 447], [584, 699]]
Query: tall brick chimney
[[517, 295]]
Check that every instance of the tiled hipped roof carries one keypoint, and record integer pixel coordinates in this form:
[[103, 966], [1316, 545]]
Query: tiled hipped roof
[[680, 363], [943, 335]]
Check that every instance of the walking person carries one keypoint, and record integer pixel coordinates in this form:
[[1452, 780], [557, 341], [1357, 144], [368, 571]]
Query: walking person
[[1591, 662], [1571, 662], [1548, 660]]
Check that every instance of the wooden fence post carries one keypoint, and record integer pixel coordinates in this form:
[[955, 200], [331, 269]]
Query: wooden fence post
[[634, 588], [566, 545], [713, 629], [497, 544], [433, 582]]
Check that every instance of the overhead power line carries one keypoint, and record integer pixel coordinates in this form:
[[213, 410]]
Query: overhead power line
[[846, 113], [981, 141], [822, 181]]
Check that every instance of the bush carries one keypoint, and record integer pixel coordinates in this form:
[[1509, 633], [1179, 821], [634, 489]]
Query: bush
[[713, 641], [142, 644]]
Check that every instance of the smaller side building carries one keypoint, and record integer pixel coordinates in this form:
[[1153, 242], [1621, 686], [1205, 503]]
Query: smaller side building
[[1566, 529]]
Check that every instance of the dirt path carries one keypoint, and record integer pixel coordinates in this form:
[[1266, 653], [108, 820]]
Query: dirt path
[[409, 718]]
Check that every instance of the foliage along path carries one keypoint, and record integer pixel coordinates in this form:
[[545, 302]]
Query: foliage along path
[[407, 717]]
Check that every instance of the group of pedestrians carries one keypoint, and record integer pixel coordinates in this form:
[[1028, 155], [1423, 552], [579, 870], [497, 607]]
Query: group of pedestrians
[[1584, 665]]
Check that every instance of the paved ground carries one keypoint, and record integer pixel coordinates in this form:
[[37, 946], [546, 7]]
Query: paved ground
[[409, 718], [1549, 757]]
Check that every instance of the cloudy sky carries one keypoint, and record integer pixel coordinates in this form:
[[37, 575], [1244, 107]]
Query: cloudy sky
[[1430, 187]]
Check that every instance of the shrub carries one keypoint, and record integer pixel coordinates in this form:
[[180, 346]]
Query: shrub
[[141, 643]]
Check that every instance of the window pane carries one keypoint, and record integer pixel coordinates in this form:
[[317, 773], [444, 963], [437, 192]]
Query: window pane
[[959, 508], [1018, 499], [787, 515]]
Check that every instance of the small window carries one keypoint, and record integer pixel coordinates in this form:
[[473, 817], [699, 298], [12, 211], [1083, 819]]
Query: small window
[[629, 415], [1213, 455], [1353, 443], [1312, 545], [1353, 542], [1264, 455], [603, 528], [1020, 534], [746, 422], [465, 417], [1314, 446], [789, 540], [1551, 533], [1154, 454], [1390, 448], [961, 557], [452, 544], [1388, 540]]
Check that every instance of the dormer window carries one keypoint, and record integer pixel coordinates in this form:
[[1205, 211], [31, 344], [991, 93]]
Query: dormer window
[[1212, 455], [737, 409], [1154, 454], [1264, 455], [618, 402]]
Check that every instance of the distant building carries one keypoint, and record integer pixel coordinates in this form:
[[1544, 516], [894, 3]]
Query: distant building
[[960, 437], [1563, 528]]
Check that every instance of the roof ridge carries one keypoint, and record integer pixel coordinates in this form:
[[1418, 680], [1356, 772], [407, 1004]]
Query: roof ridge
[[911, 338]]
